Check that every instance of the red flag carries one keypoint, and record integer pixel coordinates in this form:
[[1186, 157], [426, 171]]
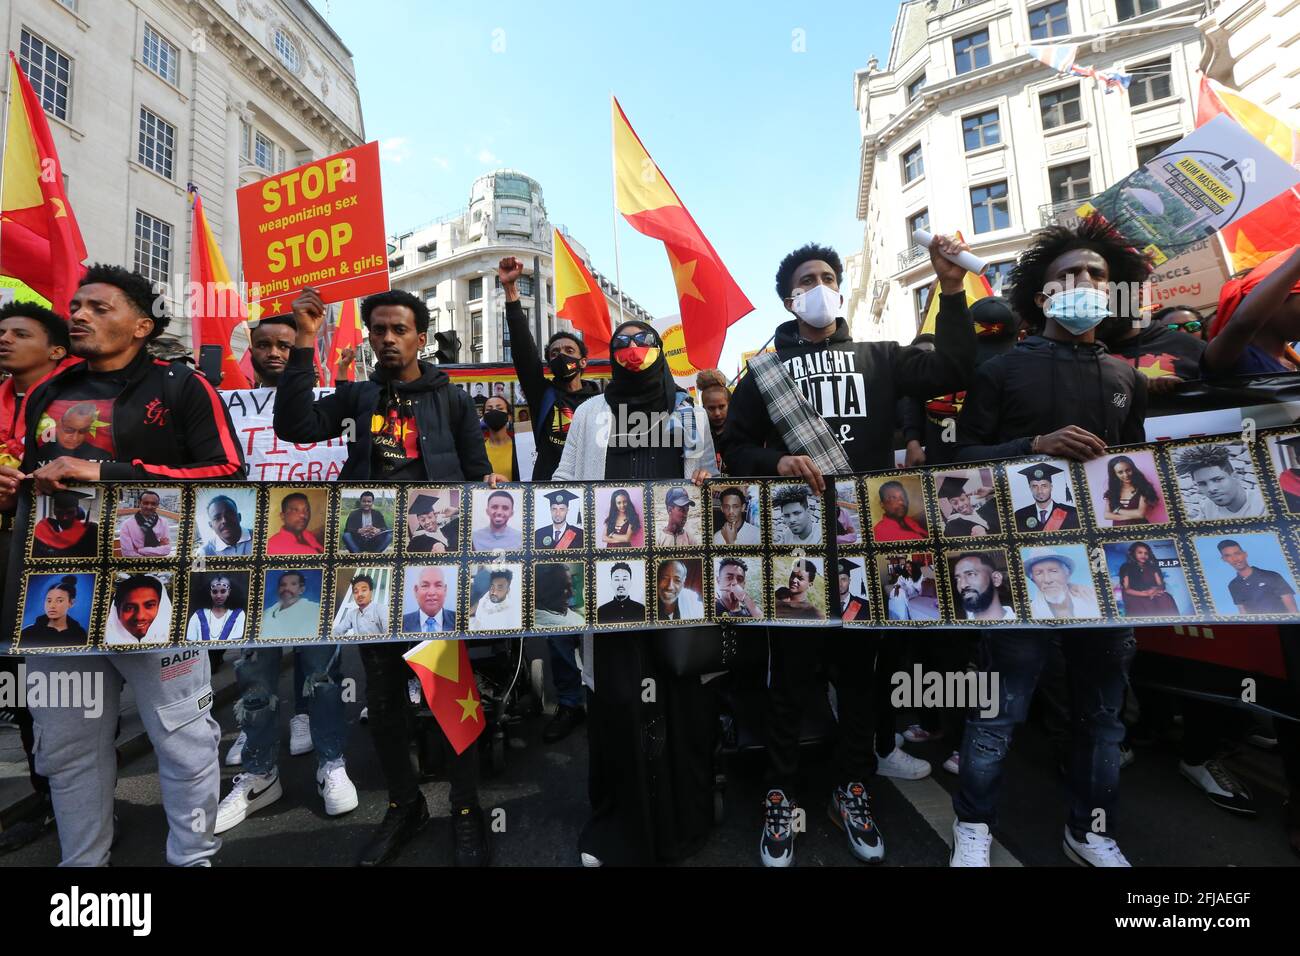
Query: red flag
[[346, 336], [39, 239], [216, 309], [708, 297]]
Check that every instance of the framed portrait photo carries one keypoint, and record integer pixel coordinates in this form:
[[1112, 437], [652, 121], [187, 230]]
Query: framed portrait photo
[[1217, 481], [147, 522], [1043, 497]]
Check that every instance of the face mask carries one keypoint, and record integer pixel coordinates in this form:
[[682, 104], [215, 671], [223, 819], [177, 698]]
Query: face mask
[[1078, 310], [495, 419], [635, 358], [563, 367], [819, 306]]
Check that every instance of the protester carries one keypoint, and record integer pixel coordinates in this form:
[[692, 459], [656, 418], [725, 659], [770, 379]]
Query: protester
[[160, 420], [650, 762], [270, 343], [1257, 320], [789, 416], [422, 429], [1166, 356], [715, 399], [1181, 318], [499, 435], [1057, 393]]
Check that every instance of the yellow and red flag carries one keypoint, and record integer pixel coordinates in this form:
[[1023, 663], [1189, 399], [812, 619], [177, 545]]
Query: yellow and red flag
[[346, 336], [449, 689], [977, 287], [708, 297], [579, 299], [39, 239], [1274, 226], [216, 308]]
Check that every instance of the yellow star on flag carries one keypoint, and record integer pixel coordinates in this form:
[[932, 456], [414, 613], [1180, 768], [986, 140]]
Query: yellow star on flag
[[469, 709], [1153, 370], [276, 307], [684, 277]]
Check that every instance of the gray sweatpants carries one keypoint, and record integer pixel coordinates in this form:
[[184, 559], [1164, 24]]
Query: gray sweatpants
[[173, 690]]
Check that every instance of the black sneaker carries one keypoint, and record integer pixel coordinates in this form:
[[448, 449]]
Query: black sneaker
[[471, 837], [400, 823], [562, 724], [8, 717], [777, 846], [27, 831], [1223, 789], [850, 810]]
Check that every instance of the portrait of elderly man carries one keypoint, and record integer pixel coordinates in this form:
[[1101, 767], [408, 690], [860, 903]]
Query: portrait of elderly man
[[1055, 596]]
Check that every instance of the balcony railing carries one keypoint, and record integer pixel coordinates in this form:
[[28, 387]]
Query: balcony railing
[[911, 256], [1061, 213]]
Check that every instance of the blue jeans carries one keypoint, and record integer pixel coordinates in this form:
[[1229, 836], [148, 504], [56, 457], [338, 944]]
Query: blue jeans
[[1097, 663], [258, 674], [564, 670]]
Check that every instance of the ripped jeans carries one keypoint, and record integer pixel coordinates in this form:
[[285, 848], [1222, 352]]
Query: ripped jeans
[[258, 708], [1097, 664]]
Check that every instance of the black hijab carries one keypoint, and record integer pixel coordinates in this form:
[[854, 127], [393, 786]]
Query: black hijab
[[651, 389]]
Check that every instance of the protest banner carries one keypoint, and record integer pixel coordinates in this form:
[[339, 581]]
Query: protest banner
[[269, 457], [320, 225]]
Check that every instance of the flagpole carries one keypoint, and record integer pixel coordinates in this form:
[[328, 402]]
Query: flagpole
[[613, 167]]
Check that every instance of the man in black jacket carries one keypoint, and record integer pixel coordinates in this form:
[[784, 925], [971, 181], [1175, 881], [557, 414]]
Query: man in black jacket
[[409, 424], [1057, 393], [551, 406], [853, 388], [152, 420]]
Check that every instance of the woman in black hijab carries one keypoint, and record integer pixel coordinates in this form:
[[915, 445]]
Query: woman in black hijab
[[651, 762]]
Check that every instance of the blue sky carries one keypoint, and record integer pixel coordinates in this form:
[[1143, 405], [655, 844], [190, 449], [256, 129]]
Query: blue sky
[[761, 142]]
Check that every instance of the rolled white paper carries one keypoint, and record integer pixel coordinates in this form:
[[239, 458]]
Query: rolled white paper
[[966, 259]]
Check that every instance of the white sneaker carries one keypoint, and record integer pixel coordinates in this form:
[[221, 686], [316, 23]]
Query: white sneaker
[[589, 860], [1095, 850], [235, 755], [300, 735], [971, 843], [953, 763], [902, 765], [333, 785], [250, 792], [365, 715]]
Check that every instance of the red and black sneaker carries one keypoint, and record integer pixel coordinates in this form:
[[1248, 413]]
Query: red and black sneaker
[[777, 846], [850, 810]]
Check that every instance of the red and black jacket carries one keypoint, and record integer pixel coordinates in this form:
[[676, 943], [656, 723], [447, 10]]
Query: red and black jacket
[[168, 422]]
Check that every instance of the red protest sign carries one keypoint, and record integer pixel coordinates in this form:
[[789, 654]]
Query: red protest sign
[[319, 225]]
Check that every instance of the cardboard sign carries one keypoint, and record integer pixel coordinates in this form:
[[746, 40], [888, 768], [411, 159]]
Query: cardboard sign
[[1191, 278], [319, 225]]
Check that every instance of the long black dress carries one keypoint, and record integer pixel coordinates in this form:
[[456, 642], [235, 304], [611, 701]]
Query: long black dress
[[651, 762]]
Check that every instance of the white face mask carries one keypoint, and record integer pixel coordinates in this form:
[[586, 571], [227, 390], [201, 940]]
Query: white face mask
[[819, 306]]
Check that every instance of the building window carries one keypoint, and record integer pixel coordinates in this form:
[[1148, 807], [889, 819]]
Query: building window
[[1052, 20], [286, 50], [1150, 151], [921, 297], [1059, 107], [476, 334], [971, 51], [395, 263], [999, 276], [245, 141], [981, 129], [476, 288], [525, 286], [478, 215], [913, 164], [514, 211], [49, 71], [989, 207], [1071, 182], [914, 88], [1128, 9], [263, 152], [429, 295], [1151, 82], [920, 220], [428, 251], [157, 149], [153, 247], [160, 55]]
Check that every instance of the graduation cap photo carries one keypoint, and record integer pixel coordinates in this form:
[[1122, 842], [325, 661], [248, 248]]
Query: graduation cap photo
[[1045, 499]]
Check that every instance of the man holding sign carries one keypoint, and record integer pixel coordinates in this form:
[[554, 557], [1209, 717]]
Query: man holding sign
[[406, 424]]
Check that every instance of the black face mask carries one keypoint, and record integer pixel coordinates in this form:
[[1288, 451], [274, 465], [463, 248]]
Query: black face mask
[[563, 367], [495, 419]]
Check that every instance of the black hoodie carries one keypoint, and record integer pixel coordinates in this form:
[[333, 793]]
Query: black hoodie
[[1042, 385], [854, 385], [450, 441]]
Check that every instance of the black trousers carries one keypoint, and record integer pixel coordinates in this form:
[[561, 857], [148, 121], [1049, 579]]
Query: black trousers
[[387, 679], [796, 656], [23, 716]]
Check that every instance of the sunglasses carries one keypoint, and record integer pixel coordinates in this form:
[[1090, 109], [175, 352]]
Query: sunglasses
[[1193, 326], [622, 340]]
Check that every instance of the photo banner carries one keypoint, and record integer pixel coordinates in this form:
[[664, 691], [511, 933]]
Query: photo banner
[[1197, 531]]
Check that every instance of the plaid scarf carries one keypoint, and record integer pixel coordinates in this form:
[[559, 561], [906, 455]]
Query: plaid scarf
[[803, 431]]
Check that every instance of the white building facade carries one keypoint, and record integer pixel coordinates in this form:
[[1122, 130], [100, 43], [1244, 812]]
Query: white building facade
[[964, 131], [148, 96], [1253, 46], [451, 264]]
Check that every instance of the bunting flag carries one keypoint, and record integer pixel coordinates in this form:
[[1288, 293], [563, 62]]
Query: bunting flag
[[579, 299], [40, 242], [216, 308], [450, 690], [346, 336], [708, 297], [1274, 226], [1061, 58]]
